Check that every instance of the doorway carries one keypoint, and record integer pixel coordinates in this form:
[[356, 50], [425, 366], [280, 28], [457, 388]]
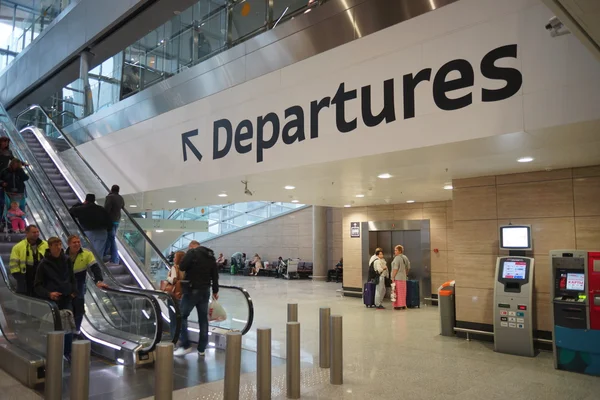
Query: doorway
[[413, 235]]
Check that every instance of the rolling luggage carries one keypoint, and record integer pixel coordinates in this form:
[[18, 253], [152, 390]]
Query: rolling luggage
[[413, 298], [369, 294]]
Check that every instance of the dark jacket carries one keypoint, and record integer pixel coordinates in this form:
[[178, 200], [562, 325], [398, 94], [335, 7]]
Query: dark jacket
[[54, 275], [200, 269], [113, 204], [91, 216], [15, 180], [5, 157]]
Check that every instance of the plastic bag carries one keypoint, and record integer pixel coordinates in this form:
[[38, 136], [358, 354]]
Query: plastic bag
[[216, 312], [393, 295]]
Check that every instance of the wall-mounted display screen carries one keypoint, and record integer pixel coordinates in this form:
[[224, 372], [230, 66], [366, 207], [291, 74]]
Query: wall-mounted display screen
[[514, 270], [576, 282], [515, 237]]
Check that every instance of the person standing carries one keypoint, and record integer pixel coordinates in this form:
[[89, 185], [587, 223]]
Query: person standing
[[113, 204], [25, 257], [55, 280], [400, 269], [201, 272], [6, 155], [174, 278], [83, 261], [94, 220], [13, 181], [381, 269]]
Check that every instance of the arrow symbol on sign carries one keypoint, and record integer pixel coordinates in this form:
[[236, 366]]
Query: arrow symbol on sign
[[186, 142]]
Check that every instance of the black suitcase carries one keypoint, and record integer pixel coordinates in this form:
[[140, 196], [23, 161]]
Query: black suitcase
[[413, 298]]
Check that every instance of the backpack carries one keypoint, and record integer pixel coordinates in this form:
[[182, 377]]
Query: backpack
[[372, 275]]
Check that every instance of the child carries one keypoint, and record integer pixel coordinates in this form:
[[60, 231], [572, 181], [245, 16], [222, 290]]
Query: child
[[15, 216]]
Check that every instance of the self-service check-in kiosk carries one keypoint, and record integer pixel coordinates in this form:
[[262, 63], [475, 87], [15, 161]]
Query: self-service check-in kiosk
[[513, 293], [575, 304]]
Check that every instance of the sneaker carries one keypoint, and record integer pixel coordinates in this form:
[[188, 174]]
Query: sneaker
[[380, 307], [182, 351], [201, 353]]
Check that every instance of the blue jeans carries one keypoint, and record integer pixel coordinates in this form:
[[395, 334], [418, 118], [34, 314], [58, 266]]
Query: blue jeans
[[98, 239], [111, 244], [195, 298], [173, 319]]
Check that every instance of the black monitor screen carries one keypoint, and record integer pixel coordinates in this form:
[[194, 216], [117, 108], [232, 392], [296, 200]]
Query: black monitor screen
[[514, 270]]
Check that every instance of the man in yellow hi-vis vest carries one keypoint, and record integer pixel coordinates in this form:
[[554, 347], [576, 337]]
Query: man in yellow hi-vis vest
[[24, 259], [83, 260]]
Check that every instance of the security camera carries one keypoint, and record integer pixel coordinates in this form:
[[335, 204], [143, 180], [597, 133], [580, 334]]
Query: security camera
[[247, 191], [556, 27]]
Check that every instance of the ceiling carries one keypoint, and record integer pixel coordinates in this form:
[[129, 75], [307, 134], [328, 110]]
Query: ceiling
[[418, 174]]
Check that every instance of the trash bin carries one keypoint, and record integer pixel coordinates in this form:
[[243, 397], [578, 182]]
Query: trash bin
[[447, 308]]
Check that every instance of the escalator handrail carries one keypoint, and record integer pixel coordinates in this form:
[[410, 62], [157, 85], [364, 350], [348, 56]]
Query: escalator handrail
[[68, 140], [153, 301], [52, 305], [250, 305]]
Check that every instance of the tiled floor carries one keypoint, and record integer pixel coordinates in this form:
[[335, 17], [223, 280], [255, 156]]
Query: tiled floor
[[387, 355]]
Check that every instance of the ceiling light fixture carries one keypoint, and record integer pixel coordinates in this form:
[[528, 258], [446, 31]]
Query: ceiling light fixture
[[360, 195], [133, 206], [223, 195], [448, 187], [525, 159], [159, 231], [294, 201], [347, 206], [384, 176], [172, 201], [289, 187], [410, 201]]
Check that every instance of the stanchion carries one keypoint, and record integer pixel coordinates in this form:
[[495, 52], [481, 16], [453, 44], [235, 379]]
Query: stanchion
[[263, 364], [163, 372], [324, 339], [292, 313], [80, 370], [293, 360], [233, 362], [336, 373], [55, 345]]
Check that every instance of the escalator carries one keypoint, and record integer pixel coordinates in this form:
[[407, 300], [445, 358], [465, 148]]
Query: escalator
[[66, 175]]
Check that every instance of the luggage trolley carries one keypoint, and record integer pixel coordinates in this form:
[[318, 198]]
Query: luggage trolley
[[292, 269]]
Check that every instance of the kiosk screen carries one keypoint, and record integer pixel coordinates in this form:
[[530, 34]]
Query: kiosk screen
[[576, 282], [514, 270]]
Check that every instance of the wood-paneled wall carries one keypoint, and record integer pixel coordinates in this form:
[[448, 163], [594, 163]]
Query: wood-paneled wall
[[563, 208], [438, 213]]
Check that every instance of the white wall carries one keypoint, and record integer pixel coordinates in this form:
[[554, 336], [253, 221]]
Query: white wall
[[561, 85]]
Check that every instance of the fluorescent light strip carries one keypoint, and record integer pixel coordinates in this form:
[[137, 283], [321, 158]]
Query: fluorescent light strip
[[195, 330], [165, 317], [239, 320], [146, 314], [100, 341]]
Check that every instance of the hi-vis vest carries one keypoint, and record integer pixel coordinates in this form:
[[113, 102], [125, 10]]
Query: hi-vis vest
[[83, 261], [21, 256]]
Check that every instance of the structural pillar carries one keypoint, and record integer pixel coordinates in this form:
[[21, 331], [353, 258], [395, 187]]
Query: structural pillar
[[84, 68], [320, 266]]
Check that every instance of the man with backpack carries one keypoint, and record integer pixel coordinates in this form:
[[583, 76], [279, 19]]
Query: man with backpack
[[201, 273]]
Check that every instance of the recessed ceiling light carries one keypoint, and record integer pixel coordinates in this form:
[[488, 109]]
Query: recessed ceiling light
[[182, 209], [384, 176], [410, 201], [289, 187], [294, 201], [133, 206], [525, 159], [172, 201], [159, 231], [360, 195], [347, 206], [223, 195], [448, 187]]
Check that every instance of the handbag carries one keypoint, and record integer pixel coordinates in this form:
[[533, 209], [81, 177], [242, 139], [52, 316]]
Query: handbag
[[173, 288]]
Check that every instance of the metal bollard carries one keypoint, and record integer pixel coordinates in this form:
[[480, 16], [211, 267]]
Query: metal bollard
[[293, 360], [163, 372], [324, 339], [292, 313], [80, 370], [263, 364], [336, 373], [233, 363], [55, 347]]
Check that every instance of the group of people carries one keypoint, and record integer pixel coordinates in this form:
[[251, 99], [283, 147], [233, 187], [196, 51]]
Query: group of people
[[196, 273], [399, 274], [44, 270], [100, 224]]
